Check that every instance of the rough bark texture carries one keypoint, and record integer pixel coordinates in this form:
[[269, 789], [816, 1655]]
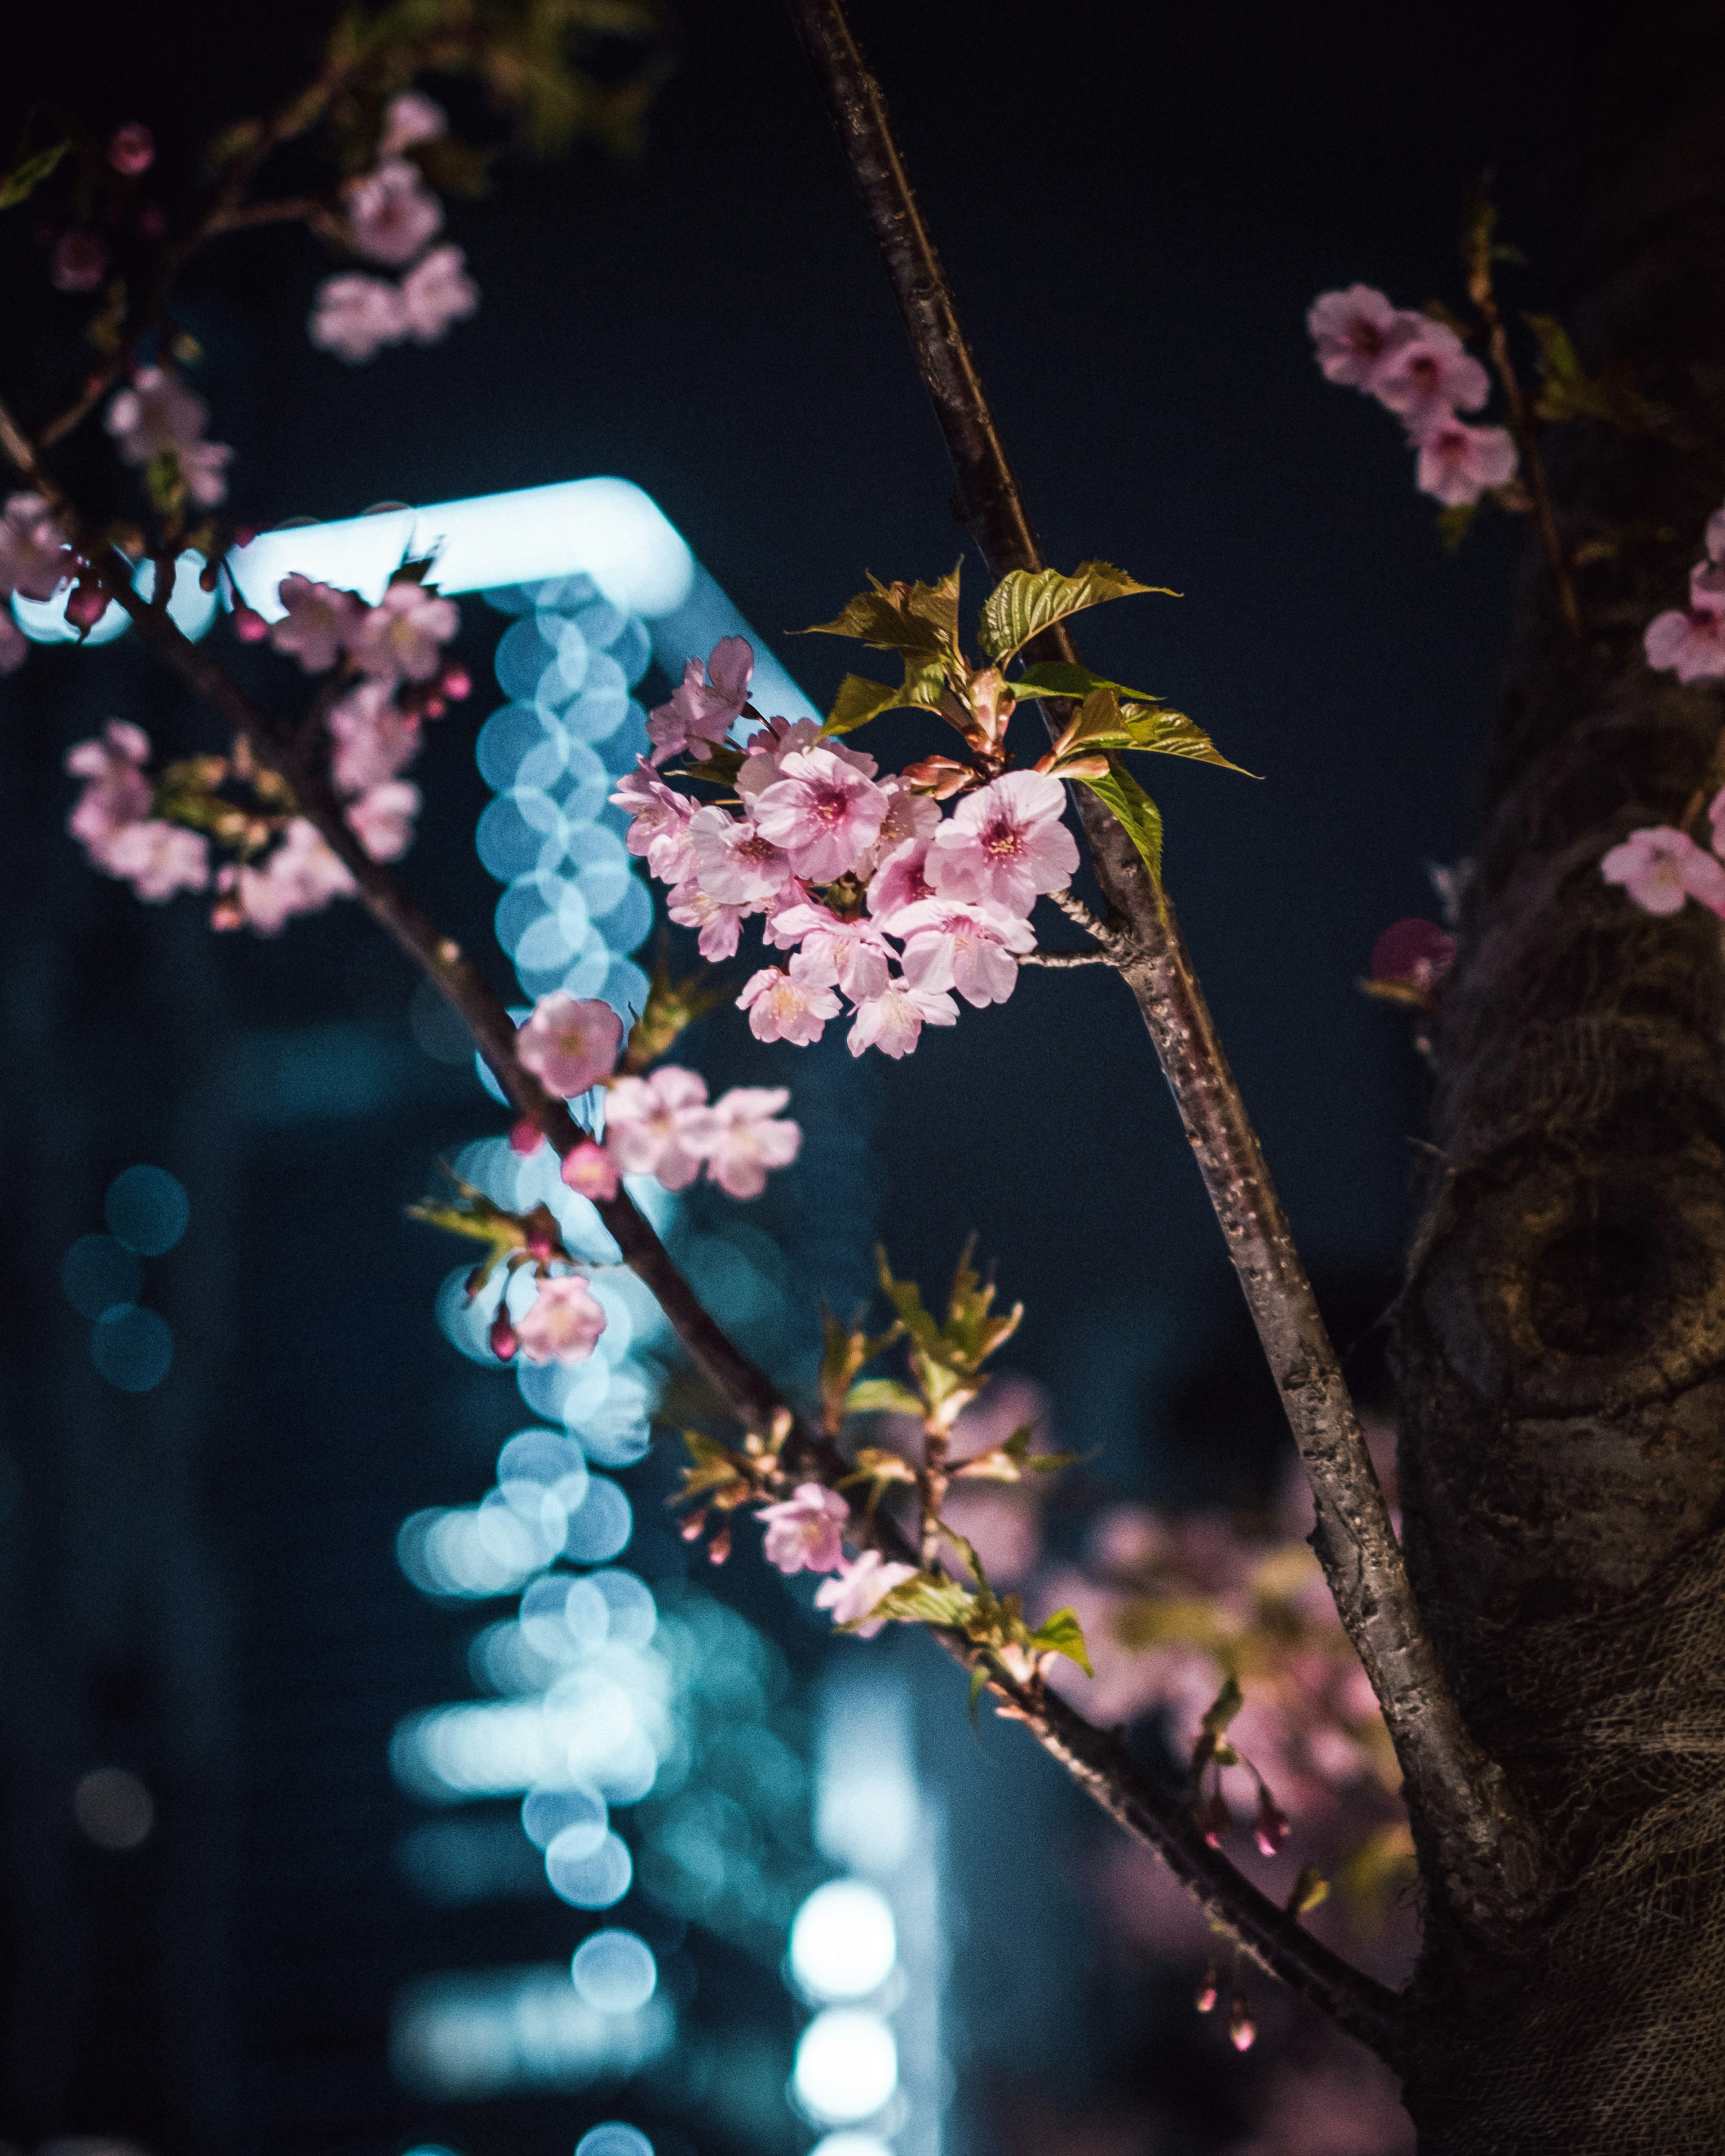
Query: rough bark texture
[[1562, 1336]]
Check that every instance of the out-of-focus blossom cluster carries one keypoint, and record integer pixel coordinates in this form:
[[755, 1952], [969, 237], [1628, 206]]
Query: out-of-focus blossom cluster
[[1689, 641], [1419, 369], [391, 218], [35, 560], [155, 832], [885, 903], [157, 425]]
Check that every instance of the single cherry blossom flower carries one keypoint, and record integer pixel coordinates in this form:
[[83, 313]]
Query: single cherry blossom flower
[[1356, 331], [706, 701], [355, 317], [317, 625], [14, 644], [116, 792], [1431, 377], [786, 1006], [824, 813], [382, 818], [399, 638], [410, 116], [589, 1169], [746, 1141], [34, 557], [1457, 462], [735, 863], [77, 262], [1005, 842], [721, 926], [901, 879], [1417, 952], [569, 1044], [156, 858], [851, 955], [300, 874], [660, 1125], [765, 749], [372, 738], [562, 1323], [436, 293], [131, 149], [203, 469], [391, 214], [1689, 641], [893, 1021], [910, 816], [156, 411], [658, 822], [860, 1586], [966, 948], [1662, 868], [803, 1531]]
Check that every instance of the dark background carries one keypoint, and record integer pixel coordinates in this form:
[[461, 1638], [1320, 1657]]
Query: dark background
[[1136, 209]]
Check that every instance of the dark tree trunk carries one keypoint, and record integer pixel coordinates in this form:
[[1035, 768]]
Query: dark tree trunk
[[1563, 1337]]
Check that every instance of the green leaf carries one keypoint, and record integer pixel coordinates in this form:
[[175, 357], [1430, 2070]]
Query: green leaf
[[971, 1332], [1062, 1634], [1026, 602], [909, 617], [978, 1679], [859, 700], [882, 1396], [906, 1299], [925, 1599], [1222, 1709], [1056, 677], [1133, 807], [29, 174], [1453, 521], [1310, 1889]]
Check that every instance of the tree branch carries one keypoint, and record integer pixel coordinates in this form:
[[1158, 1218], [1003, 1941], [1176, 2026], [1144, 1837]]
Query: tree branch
[[1468, 1818]]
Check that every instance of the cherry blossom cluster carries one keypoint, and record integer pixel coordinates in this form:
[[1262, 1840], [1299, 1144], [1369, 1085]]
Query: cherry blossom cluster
[[1689, 641], [391, 217], [884, 900], [154, 831], [1419, 369], [660, 1124], [157, 425]]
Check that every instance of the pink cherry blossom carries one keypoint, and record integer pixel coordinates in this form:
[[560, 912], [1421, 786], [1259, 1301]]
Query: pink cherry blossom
[[391, 214], [1457, 462], [910, 816], [721, 926], [1662, 868], [1716, 536], [893, 1021], [735, 862], [355, 317], [77, 262], [131, 149], [382, 818], [1005, 842], [901, 879], [746, 1141], [300, 875], [1416, 952], [400, 638], [860, 1586], [966, 948], [156, 413], [661, 1126], [562, 1323], [34, 559], [409, 117], [765, 749], [372, 738], [156, 858], [706, 701], [569, 1044], [824, 814], [1689, 641], [1356, 331], [436, 293], [852, 955], [590, 1170], [1430, 378], [14, 644], [317, 625], [803, 1530], [116, 792], [787, 1006], [658, 822], [203, 469]]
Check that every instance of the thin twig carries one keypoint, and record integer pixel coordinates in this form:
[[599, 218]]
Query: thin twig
[[1493, 1862], [1062, 959]]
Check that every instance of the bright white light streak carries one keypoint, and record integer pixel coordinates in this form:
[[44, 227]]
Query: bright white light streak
[[846, 2066], [843, 1944]]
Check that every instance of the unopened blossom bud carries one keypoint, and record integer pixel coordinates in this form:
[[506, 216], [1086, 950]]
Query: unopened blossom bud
[[589, 1169], [77, 262], [694, 1526], [1269, 1824], [87, 605], [1213, 1818], [541, 1243], [243, 534], [458, 683], [525, 1137], [1242, 2029], [1208, 1992], [475, 1281], [502, 1335], [131, 149], [227, 914], [248, 627], [719, 1548]]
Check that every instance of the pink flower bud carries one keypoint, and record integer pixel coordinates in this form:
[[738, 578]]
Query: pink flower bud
[[541, 1245], [1242, 2029], [248, 627], [243, 534], [1208, 1992], [694, 1526], [525, 1138], [719, 1548], [131, 149], [591, 1170], [208, 576], [1270, 1823], [77, 262], [502, 1335], [475, 1281], [87, 605], [458, 683], [1213, 1818]]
